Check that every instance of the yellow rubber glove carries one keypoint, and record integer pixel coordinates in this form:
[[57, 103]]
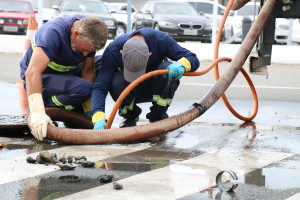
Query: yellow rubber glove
[[38, 120], [99, 120]]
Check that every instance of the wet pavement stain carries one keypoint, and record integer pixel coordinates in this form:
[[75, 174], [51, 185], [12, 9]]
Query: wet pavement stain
[[174, 147], [49, 186], [277, 181]]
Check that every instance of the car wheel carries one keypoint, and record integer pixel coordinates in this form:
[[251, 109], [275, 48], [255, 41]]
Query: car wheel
[[156, 27], [223, 37], [121, 29], [134, 27]]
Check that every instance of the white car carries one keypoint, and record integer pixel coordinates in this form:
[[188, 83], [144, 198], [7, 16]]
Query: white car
[[48, 14], [250, 11], [206, 7], [282, 25], [119, 11], [282, 29]]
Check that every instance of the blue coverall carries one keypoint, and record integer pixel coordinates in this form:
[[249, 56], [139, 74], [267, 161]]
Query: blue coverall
[[62, 84], [157, 90]]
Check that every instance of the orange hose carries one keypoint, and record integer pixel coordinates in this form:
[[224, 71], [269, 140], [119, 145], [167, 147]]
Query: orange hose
[[216, 72], [144, 77], [214, 65]]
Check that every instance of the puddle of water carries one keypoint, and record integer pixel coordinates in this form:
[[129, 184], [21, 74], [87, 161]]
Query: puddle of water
[[7, 154], [273, 178], [134, 167], [46, 188]]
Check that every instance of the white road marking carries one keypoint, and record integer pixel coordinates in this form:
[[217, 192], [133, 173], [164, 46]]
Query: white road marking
[[18, 169], [294, 197], [183, 178]]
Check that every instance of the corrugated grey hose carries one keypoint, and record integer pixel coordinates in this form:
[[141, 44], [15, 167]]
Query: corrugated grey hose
[[129, 134]]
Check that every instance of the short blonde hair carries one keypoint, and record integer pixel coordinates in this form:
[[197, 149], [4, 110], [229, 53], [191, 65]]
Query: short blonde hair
[[93, 30]]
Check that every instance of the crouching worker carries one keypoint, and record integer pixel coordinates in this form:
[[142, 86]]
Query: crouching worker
[[58, 68], [129, 57]]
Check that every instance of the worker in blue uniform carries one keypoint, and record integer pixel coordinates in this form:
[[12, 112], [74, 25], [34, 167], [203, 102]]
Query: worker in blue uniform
[[59, 67], [127, 58]]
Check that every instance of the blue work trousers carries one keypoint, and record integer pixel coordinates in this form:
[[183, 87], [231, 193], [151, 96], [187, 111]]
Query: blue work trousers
[[152, 90], [67, 87]]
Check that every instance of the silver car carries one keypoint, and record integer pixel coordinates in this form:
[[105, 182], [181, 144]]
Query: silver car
[[89, 8], [178, 19]]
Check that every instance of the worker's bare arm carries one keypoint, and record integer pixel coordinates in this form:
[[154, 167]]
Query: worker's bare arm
[[37, 65], [88, 69]]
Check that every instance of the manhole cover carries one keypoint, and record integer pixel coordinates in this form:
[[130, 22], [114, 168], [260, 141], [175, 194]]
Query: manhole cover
[[13, 121]]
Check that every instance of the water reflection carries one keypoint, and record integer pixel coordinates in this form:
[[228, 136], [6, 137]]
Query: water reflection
[[251, 136]]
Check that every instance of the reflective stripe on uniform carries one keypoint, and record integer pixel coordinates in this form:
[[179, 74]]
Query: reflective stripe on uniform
[[60, 68], [126, 108], [55, 66], [59, 104], [160, 101]]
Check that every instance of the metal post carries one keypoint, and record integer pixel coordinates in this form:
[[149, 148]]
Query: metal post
[[40, 10], [128, 28], [289, 41], [214, 24]]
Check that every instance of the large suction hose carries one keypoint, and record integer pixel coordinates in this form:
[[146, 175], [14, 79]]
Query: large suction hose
[[118, 135]]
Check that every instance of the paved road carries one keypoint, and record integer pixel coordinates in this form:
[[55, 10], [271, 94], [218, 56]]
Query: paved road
[[281, 84], [182, 164]]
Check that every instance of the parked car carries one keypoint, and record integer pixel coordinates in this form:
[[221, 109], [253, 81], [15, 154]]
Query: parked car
[[206, 7], [250, 11], [119, 11], [48, 14], [282, 29], [178, 19], [89, 8], [281, 33], [14, 16]]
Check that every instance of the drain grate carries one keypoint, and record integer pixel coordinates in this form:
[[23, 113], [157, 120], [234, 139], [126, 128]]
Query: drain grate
[[13, 121]]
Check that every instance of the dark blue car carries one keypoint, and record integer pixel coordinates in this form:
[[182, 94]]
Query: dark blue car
[[178, 19]]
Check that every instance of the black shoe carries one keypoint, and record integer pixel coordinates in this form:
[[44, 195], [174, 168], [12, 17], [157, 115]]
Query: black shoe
[[153, 120], [128, 122]]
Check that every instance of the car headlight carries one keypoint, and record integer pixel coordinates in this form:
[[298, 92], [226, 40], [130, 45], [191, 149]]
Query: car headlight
[[25, 21], [1, 21], [207, 26], [19, 22], [109, 22], [284, 26], [168, 24]]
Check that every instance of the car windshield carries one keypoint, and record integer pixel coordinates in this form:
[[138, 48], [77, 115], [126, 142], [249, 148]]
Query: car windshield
[[173, 8], [248, 10], [15, 6], [114, 8], [84, 6]]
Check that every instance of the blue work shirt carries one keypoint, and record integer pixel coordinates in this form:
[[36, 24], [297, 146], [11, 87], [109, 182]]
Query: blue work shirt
[[54, 38], [159, 43]]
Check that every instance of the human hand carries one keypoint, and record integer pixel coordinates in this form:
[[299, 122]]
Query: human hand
[[38, 122], [176, 71], [38, 119], [100, 124], [99, 120]]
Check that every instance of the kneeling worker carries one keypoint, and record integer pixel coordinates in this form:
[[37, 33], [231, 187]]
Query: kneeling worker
[[127, 58], [58, 68]]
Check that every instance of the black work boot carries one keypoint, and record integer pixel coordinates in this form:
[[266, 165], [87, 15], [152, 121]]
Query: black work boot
[[128, 122]]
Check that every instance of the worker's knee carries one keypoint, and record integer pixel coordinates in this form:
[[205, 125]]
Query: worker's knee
[[84, 89]]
